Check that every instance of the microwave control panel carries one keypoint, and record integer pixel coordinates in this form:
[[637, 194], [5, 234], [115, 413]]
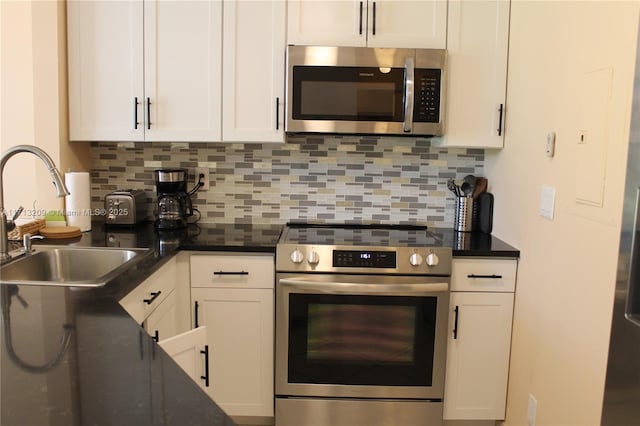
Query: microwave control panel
[[427, 95]]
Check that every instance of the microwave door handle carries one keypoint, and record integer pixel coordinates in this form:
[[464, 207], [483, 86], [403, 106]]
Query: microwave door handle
[[359, 288], [408, 95]]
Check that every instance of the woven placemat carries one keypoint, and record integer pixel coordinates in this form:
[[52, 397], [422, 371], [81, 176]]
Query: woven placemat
[[31, 227]]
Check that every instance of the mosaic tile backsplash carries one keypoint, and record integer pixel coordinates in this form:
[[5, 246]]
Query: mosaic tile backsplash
[[319, 178]]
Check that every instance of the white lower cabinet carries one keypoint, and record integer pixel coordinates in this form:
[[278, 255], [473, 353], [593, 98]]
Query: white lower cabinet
[[161, 307], [233, 296], [190, 351], [479, 342]]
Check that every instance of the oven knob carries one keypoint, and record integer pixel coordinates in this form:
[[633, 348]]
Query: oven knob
[[313, 258], [297, 256], [432, 259], [415, 259]]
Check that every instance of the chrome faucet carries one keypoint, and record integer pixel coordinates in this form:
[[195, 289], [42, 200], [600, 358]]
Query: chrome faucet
[[7, 225]]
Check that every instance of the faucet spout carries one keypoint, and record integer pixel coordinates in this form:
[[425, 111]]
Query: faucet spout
[[58, 182]]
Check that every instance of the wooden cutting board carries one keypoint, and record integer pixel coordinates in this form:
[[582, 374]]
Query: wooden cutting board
[[61, 232]]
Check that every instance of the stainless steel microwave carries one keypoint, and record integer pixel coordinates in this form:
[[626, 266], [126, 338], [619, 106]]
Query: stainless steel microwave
[[363, 90]]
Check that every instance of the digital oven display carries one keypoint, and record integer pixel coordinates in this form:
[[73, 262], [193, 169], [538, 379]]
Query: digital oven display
[[364, 259]]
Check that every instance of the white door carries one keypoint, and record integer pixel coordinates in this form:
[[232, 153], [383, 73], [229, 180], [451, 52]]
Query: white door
[[162, 323], [240, 337], [253, 61], [477, 49], [478, 356], [327, 22], [105, 55], [407, 23], [183, 70], [189, 352]]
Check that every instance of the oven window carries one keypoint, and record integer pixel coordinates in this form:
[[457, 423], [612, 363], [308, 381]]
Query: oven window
[[361, 340], [348, 93]]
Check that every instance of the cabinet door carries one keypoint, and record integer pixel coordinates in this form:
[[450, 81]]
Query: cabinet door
[[411, 24], [149, 294], [183, 70], [327, 23], [477, 48], [240, 337], [253, 61], [478, 356], [105, 55], [188, 351], [162, 323]]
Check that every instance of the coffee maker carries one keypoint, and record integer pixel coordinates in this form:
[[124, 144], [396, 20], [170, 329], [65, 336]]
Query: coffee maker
[[174, 202]]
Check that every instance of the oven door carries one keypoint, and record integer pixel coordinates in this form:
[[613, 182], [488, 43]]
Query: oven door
[[364, 336]]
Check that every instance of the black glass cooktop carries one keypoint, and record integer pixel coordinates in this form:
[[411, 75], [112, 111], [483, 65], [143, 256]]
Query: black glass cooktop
[[359, 235]]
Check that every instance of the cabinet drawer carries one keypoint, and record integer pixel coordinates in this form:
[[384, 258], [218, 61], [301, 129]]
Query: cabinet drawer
[[151, 292], [232, 271], [484, 275]]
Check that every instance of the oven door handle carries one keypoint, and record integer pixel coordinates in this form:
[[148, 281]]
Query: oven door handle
[[399, 289]]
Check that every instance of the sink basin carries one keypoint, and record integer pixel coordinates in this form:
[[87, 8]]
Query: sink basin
[[70, 266]]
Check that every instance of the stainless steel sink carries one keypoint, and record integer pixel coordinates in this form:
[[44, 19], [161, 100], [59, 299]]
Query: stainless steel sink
[[70, 266]]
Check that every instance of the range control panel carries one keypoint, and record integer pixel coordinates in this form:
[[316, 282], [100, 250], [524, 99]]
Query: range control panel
[[364, 259]]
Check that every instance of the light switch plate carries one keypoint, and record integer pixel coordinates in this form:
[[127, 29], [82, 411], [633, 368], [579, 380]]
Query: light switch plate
[[547, 202], [531, 410]]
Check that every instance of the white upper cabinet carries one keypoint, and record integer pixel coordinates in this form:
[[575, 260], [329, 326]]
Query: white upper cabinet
[[152, 70], [253, 68], [372, 23], [182, 70], [145, 70], [477, 49], [326, 23], [407, 23], [105, 69]]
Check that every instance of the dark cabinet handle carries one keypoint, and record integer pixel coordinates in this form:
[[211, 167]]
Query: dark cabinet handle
[[195, 313], [148, 113], [231, 273], [455, 322], [277, 109], [374, 18], [205, 352], [156, 336], [360, 27], [135, 113], [492, 276], [154, 296], [501, 110]]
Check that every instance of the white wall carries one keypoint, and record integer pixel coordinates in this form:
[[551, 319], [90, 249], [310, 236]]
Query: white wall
[[567, 270], [33, 100]]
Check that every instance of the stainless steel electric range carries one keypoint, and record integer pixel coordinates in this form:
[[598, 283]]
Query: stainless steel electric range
[[361, 320]]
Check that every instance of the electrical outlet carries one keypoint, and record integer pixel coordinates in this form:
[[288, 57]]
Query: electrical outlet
[[204, 172], [531, 410]]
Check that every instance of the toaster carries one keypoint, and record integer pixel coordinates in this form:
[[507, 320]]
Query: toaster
[[125, 207]]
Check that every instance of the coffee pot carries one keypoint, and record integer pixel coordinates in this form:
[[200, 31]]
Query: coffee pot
[[174, 202]]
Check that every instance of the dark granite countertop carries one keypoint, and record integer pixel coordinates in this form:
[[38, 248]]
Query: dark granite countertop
[[75, 357], [474, 244]]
